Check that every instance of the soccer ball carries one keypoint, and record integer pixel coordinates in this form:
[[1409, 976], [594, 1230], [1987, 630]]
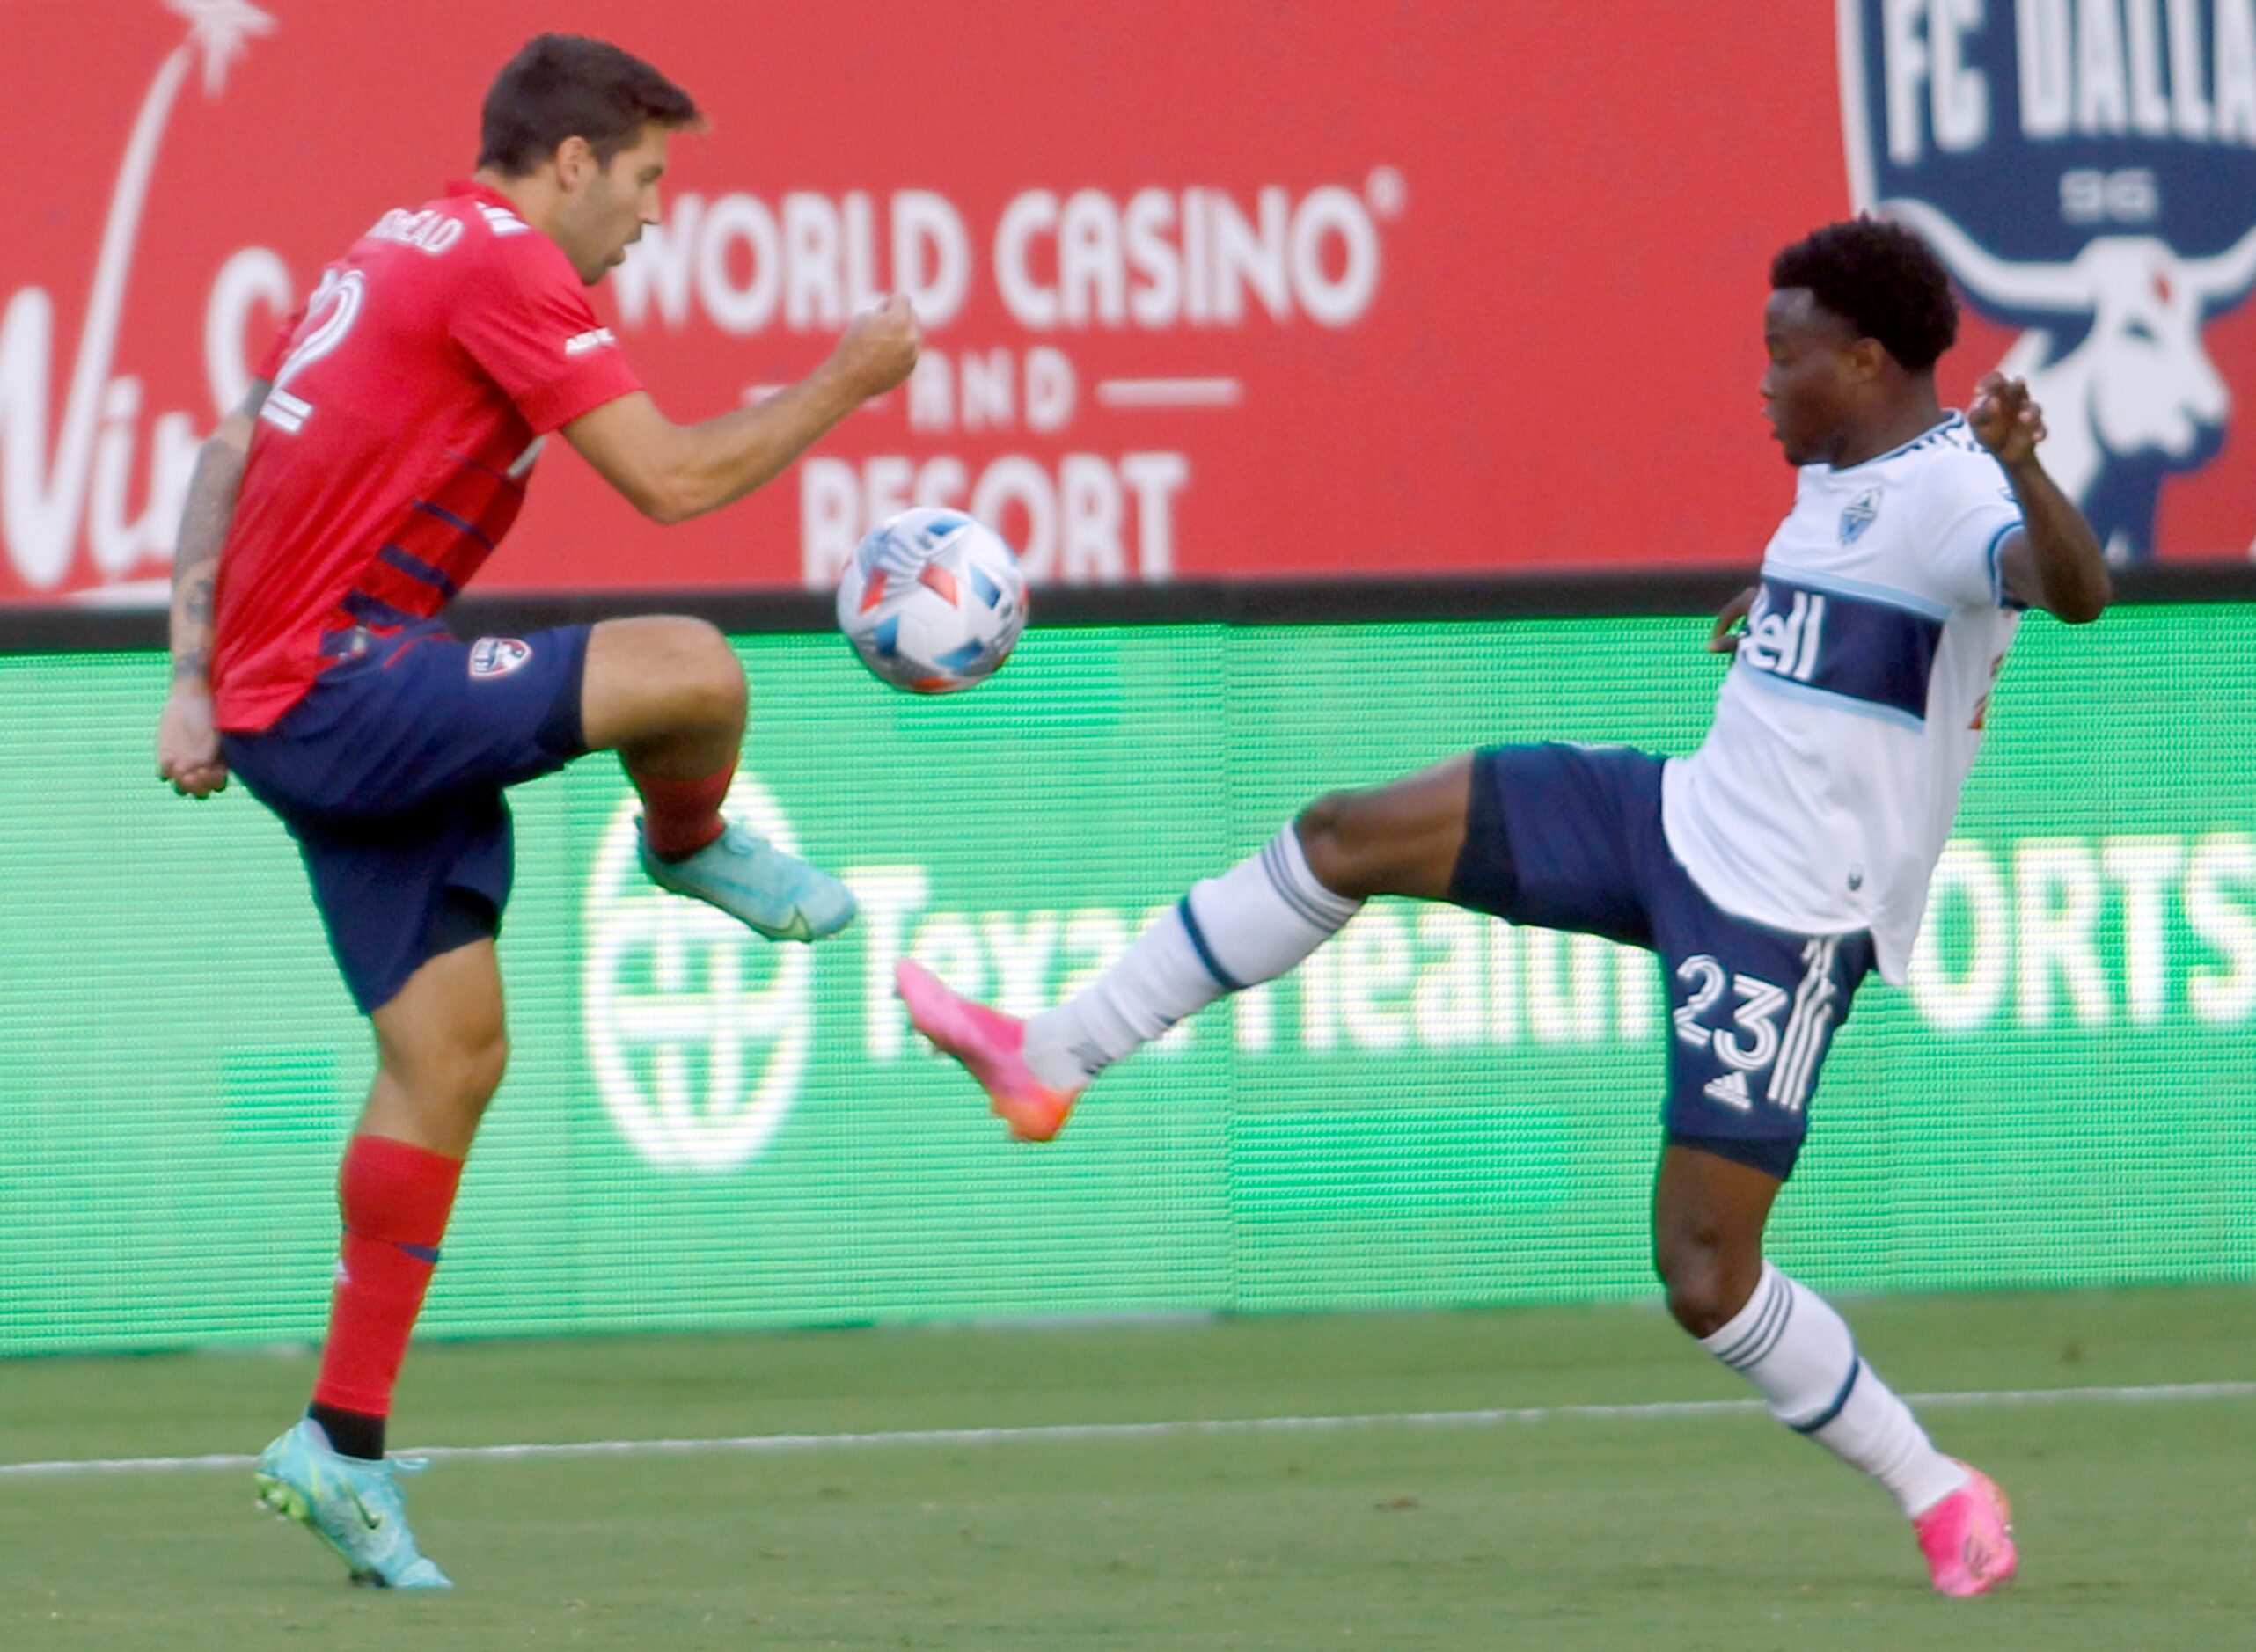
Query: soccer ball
[[932, 601]]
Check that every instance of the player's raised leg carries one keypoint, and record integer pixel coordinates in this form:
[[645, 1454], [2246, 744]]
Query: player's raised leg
[[1252, 924], [1709, 1213], [668, 694], [440, 1055]]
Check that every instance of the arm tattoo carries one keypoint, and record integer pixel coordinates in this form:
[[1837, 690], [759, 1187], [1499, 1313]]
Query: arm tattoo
[[204, 523], [203, 535], [191, 642]]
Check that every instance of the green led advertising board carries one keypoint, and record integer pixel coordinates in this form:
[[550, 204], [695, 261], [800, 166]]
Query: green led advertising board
[[699, 1128]]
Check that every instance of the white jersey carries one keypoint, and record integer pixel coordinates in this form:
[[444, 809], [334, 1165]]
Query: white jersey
[[1823, 793]]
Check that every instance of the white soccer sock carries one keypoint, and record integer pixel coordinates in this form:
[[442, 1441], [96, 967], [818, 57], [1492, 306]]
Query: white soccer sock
[[1252, 924], [1798, 1351]]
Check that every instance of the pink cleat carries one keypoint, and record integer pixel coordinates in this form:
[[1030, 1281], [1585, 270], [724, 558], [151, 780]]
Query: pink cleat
[[990, 1045], [1967, 1538]]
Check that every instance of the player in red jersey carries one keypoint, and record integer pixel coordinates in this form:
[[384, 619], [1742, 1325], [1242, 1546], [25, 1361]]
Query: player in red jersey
[[380, 457]]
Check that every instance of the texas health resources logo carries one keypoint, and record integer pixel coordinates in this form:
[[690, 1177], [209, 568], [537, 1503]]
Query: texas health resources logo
[[2087, 169], [698, 1031]]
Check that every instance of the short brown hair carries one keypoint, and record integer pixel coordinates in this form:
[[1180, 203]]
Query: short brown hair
[[566, 86]]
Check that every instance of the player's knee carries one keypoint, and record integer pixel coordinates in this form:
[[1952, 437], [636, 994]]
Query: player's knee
[[482, 1068], [709, 679], [1334, 837], [462, 1076], [1708, 1279], [441, 1084]]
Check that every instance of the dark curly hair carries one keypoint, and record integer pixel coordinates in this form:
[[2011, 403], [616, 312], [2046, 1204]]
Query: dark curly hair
[[1882, 280]]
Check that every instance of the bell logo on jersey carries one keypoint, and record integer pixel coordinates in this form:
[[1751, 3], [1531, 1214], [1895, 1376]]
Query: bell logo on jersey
[[1785, 645], [1861, 654], [497, 656]]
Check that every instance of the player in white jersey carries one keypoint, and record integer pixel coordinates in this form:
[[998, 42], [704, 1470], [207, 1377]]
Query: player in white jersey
[[1880, 624], [1771, 871]]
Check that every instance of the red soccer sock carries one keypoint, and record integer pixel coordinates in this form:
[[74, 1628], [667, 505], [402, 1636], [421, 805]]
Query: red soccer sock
[[395, 1198], [679, 817]]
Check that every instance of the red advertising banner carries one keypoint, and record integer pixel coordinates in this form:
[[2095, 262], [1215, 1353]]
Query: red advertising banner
[[1211, 287]]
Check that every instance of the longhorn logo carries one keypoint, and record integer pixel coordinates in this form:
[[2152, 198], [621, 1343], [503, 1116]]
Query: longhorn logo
[[2087, 170]]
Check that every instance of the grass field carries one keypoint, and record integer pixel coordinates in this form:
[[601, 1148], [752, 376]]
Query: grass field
[[1642, 1528]]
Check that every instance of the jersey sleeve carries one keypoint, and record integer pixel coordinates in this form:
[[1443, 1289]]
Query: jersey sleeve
[[525, 320], [1968, 525]]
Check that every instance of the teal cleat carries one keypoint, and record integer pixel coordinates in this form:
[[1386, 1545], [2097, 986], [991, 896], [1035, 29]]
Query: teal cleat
[[779, 896], [351, 1504]]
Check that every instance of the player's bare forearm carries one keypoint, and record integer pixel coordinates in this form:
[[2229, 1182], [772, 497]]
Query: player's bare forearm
[[195, 559], [2056, 562], [204, 523], [725, 459], [190, 756], [672, 473]]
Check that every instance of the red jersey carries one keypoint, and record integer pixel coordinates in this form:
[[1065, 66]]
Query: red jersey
[[409, 399]]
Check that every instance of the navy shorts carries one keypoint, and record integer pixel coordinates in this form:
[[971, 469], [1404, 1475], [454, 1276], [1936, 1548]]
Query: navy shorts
[[389, 773], [1570, 837]]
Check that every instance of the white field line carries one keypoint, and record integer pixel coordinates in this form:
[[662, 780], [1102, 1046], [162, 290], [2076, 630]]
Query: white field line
[[2159, 1393]]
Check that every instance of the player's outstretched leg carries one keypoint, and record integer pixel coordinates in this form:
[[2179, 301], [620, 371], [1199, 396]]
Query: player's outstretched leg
[[668, 695], [1252, 924], [1708, 1218]]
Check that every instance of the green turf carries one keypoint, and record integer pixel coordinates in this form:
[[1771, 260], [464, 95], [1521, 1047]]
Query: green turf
[[2138, 1522]]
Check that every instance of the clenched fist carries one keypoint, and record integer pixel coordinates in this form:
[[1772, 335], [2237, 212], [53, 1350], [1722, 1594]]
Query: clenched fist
[[2005, 420], [187, 747], [879, 349]]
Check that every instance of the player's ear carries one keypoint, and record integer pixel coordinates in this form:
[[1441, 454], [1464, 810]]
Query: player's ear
[[1868, 359], [576, 163]]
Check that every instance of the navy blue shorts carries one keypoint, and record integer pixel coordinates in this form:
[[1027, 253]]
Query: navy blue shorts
[[388, 774], [1570, 837]]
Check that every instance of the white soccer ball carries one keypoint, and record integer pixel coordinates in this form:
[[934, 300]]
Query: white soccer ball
[[932, 601]]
